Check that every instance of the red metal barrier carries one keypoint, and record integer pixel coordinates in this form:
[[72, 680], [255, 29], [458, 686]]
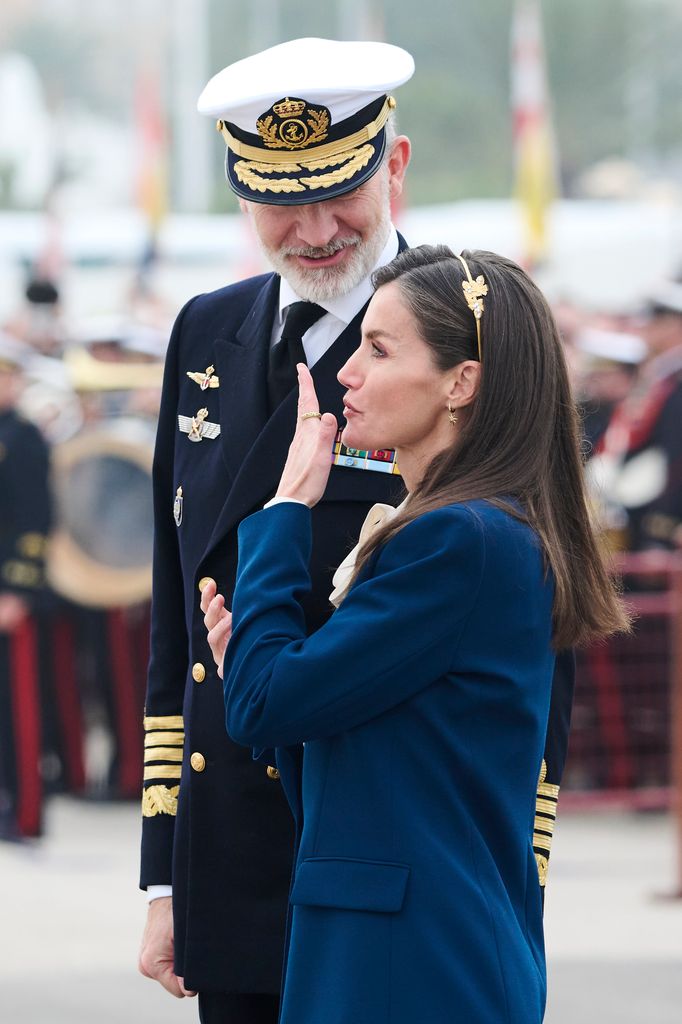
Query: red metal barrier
[[626, 736]]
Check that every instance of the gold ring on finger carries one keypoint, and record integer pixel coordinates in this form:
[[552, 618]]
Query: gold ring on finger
[[311, 416]]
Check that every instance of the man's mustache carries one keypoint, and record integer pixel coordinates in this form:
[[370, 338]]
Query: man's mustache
[[318, 252]]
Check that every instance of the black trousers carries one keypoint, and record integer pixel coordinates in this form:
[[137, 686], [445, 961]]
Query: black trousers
[[241, 1008]]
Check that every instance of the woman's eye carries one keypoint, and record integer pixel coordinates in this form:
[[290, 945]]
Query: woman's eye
[[377, 352]]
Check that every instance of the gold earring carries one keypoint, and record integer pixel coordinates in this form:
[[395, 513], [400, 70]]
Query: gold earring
[[452, 415]]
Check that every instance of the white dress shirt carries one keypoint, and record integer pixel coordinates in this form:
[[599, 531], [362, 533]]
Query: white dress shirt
[[340, 311]]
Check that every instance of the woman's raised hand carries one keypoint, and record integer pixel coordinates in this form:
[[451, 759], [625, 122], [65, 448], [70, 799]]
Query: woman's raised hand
[[309, 461], [218, 622]]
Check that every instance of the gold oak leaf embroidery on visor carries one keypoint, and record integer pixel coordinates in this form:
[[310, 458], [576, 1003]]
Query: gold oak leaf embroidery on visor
[[247, 172]]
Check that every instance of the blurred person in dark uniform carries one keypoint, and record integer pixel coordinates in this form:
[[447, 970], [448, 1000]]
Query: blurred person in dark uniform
[[38, 322], [313, 155], [101, 552], [639, 466], [25, 517], [608, 363]]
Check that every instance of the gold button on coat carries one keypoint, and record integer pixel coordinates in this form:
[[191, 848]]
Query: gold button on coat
[[203, 582], [198, 672], [198, 761], [272, 772]]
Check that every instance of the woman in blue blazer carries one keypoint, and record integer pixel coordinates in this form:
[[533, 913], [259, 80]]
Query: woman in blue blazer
[[422, 704]]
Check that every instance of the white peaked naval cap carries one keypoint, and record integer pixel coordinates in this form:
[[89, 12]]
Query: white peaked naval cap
[[304, 121]]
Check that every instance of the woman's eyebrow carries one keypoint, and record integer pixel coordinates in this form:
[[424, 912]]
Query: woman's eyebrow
[[375, 333]]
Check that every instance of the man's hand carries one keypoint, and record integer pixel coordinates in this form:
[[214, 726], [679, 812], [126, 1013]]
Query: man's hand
[[309, 461], [156, 953], [218, 622]]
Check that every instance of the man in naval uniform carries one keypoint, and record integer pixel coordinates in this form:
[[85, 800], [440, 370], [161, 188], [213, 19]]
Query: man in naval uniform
[[315, 160], [638, 468], [315, 165], [25, 519], [655, 437]]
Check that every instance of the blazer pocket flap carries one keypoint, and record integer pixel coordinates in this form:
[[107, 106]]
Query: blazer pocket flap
[[350, 884]]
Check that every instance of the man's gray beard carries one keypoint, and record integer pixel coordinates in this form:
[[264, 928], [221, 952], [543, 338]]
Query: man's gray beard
[[325, 283]]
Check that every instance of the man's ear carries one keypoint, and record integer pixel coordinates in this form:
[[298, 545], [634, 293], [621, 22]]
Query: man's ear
[[464, 382], [243, 205], [397, 162]]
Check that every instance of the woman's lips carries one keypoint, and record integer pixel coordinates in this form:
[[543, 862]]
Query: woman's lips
[[348, 410]]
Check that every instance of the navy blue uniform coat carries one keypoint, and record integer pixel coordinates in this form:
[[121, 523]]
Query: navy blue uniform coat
[[223, 835], [423, 706]]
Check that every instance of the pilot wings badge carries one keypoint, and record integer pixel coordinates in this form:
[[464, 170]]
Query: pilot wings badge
[[205, 380]]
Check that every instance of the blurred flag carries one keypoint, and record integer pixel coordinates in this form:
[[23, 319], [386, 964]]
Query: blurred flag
[[152, 181], [151, 146], [534, 144]]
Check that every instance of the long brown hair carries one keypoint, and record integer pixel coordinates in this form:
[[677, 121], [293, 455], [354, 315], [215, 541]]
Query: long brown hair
[[518, 443]]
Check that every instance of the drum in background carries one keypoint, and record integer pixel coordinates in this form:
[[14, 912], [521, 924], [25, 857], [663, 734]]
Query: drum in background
[[101, 552]]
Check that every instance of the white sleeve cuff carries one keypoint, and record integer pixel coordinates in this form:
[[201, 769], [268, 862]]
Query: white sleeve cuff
[[278, 501], [155, 892]]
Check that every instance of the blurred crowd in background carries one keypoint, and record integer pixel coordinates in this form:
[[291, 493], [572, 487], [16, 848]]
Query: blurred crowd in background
[[78, 407], [85, 319]]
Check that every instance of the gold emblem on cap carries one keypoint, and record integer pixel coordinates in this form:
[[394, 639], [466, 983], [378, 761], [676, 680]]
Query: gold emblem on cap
[[289, 108], [298, 125]]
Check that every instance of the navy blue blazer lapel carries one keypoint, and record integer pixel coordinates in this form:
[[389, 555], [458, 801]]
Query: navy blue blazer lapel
[[257, 477], [241, 363]]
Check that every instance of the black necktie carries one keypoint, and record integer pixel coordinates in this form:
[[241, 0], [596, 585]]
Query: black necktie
[[289, 350]]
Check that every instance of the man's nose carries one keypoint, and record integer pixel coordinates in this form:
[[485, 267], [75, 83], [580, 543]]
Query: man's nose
[[317, 224]]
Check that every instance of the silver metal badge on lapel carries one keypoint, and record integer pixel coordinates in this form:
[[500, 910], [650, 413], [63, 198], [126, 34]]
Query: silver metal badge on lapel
[[198, 427], [205, 380], [177, 506]]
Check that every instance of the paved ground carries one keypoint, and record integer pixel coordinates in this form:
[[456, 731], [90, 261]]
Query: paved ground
[[70, 919]]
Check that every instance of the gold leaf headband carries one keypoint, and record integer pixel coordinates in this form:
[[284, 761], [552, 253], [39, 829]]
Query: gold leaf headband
[[473, 293]]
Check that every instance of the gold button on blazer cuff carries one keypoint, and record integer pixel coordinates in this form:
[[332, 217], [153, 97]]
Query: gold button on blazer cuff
[[203, 582], [198, 672], [272, 772], [197, 761]]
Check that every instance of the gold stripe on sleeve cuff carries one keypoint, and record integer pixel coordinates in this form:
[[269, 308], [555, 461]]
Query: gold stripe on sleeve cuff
[[162, 754], [171, 739], [544, 824], [542, 842], [162, 771], [545, 807], [547, 789], [164, 722]]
